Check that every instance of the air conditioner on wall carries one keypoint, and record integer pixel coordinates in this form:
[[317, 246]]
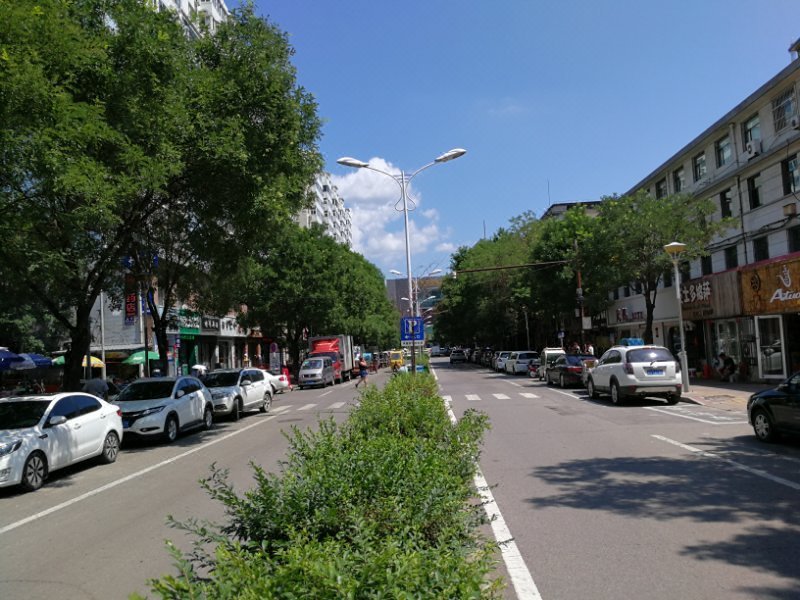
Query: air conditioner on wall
[[752, 148], [794, 122]]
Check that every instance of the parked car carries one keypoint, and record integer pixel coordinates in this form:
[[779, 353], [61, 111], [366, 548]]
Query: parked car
[[777, 410], [567, 369], [518, 362], [500, 360], [547, 356], [280, 382], [237, 390], [162, 407], [636, 371], [41, 434], [457, 356], [316, 370]]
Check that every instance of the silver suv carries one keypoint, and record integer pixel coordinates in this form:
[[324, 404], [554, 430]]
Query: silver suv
[[636, 371], [236, 390]]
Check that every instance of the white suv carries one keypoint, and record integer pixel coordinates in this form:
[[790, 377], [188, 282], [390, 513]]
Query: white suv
[[518, 362], [236, 390], [640, 371]]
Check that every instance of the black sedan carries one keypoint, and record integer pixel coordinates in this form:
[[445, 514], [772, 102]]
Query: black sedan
[[566, 369], [776, 410]]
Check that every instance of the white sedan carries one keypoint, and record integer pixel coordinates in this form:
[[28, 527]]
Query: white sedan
[[43, 433], [280, 383]]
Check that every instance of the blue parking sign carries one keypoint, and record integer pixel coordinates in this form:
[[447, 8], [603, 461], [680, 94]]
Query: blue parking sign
[[412, 329]]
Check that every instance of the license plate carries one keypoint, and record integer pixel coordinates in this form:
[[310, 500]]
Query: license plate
[[655, 371]]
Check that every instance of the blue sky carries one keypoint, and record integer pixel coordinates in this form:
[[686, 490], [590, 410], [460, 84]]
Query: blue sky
[[554, 102]]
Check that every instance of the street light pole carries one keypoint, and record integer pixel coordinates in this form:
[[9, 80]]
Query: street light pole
[[403, 181], [675, 249]]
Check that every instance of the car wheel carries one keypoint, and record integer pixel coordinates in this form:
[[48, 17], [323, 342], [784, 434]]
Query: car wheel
[[110, 448], [762, 425], [208, 418], [673, 398], [236, 411], [265, 406], [561, 382], [591, 389], [34, 472], [616, 396], [171, 429]]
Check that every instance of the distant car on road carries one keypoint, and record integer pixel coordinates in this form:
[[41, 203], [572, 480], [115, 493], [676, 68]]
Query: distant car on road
[[517, 362], [457, 356], [164, 406], [776, 410], [500, 360], [636, 371], [237, 390], [567, 369], [43, 433]]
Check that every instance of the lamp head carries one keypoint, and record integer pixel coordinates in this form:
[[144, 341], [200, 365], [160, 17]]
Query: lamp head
[[395, 272], [435, 271], [675, 248], [348, 161], [450, 155]]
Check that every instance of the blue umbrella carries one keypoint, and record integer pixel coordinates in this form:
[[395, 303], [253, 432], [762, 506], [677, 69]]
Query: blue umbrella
[[7, 358], [31, 361]]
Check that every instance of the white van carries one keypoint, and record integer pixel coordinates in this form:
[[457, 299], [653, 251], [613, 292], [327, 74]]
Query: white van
[[316, 370], [546, 356]]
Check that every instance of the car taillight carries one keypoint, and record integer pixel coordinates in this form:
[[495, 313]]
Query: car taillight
[[628, 368], [574, 369], [678, 366], [119, 412]]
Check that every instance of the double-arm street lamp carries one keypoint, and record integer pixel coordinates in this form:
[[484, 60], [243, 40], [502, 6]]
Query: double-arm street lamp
[[675, 249], [403, 180], [416, 302]]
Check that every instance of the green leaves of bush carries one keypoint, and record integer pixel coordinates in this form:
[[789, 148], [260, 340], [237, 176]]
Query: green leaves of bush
[[378, 507]]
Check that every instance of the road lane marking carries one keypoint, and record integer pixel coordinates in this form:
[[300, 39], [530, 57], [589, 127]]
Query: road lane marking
[[501, 396], [528, 395], [733, 463], [473, 397], [337, 405], [518, 571], [695, 418], [307, 406], [514, 383], [279, 409], [325, 394], [127, 478]]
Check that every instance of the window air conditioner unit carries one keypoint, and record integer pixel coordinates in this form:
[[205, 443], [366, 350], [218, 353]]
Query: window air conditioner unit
[[752, 148], [794, 122]]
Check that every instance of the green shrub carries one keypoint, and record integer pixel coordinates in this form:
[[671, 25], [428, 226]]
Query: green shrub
[[379, 507]]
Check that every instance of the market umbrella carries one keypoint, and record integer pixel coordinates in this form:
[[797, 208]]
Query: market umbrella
[[31, 361], [137, 358], [7, 358], [96, 362]]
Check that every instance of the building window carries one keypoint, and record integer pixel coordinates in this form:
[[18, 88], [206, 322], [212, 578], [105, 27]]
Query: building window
[[626, 291], [760, 249], [661, 188], [616, 293], [699, 166], [705, 265], [791, 175], [731, 258], [638, 287], [754, 190], [794, 238], [784, 107], [725, 199], [667, 279], [722, 149], [678, 179], [751, 130]]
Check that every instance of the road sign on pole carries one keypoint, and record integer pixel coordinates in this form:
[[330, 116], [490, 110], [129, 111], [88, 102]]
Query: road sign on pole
[[412, 329]]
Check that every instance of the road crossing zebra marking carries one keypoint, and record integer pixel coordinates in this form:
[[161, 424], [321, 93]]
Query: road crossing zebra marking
[[528, 395], [307, 406], [337, 405], [473, 398], [501, 396], [279, 409]]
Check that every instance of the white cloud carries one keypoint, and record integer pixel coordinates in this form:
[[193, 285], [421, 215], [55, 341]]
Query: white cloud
[[378, 226]]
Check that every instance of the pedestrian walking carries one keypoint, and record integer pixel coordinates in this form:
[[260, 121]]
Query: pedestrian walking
[[96, 386], [363, 371]]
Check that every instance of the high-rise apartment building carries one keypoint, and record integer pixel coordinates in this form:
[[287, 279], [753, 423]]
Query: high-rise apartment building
[[329, 211]]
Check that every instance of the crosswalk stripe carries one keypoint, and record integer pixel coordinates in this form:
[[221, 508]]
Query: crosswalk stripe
[[447, 399], [307, 406], [279, 409], [501, 396], [473, 397], [337, 405], [528, 395]]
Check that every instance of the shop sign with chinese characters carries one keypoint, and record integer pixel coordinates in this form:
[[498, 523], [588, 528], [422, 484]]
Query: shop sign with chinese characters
[[772, 288], [711, 297]]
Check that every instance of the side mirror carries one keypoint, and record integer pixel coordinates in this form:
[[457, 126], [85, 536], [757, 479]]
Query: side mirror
[[180, 394], [246, 382], [57, 420]]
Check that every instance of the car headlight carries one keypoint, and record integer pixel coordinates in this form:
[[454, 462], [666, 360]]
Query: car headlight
[[152, 411], [10, 447]]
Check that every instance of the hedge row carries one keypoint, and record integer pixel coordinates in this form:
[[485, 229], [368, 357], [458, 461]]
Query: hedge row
[[381, 506]]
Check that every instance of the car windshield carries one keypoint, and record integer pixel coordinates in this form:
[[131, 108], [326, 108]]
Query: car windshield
[[17, 415], [647, 355], [221, 379], [312, 363], [504, 354], [577, 359], [146, 390], [527, 355], [395, 355]]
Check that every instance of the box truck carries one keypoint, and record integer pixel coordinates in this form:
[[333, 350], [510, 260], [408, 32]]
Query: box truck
[[339, 348]]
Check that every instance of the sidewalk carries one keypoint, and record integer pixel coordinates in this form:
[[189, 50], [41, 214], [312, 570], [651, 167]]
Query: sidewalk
[[720, 394]]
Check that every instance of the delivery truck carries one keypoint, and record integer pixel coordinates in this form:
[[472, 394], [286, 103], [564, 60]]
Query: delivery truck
[[340, 350]]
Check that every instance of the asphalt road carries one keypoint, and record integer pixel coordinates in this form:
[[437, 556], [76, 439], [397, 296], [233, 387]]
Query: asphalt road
[[637, 501], [98, 532]]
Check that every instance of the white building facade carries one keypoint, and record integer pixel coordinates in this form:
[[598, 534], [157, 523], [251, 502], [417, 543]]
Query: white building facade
[[744, 297], [196, 16], [329, 211]]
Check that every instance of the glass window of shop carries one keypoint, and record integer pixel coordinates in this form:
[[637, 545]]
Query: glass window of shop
[[725, 338], [771, 351]]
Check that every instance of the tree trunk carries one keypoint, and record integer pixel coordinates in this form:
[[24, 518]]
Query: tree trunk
[[650, 303], [79, 347]]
